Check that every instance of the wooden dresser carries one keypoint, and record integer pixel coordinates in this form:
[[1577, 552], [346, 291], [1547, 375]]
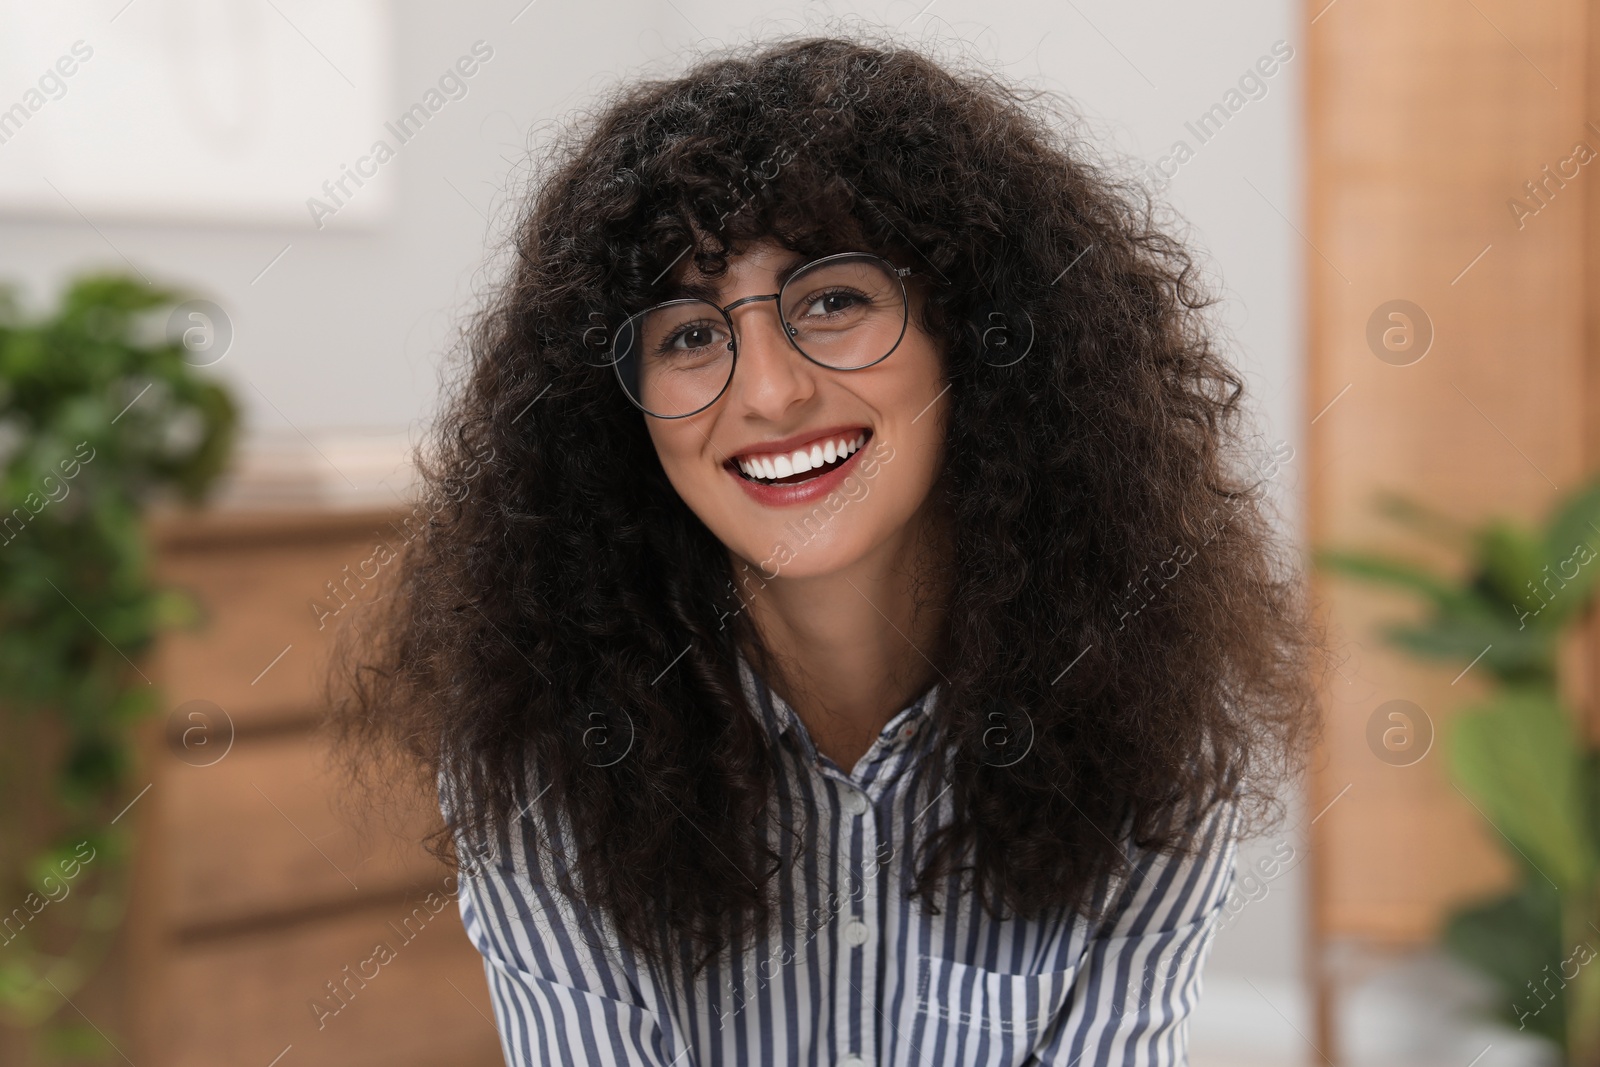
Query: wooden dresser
[[271, 925]]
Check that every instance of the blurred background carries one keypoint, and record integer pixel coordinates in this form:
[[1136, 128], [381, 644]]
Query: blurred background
[[239, 236]]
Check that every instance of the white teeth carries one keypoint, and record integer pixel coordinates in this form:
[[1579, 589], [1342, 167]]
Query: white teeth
[[772, 467]]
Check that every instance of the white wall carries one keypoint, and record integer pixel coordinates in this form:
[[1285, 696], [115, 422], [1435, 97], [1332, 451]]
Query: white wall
[[337, 342]]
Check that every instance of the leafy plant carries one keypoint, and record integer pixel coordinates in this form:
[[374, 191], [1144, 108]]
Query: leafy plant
[[100, 413], [1517, 755]]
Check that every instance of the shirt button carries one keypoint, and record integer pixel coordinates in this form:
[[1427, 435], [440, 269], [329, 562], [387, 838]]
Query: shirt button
[[855, 933], [855, 802], [909, 732]]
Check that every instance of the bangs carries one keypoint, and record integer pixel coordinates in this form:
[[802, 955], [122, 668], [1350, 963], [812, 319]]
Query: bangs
[[697, 223], [781, 155]]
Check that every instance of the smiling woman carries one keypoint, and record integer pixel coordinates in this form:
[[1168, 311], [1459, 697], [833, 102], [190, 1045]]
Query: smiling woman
[[832, 353], [926, 792]]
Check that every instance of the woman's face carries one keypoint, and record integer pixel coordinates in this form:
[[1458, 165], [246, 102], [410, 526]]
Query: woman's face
[[778, 404]]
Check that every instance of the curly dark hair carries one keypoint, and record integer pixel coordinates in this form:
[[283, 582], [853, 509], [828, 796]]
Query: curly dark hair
[[1119, 595]]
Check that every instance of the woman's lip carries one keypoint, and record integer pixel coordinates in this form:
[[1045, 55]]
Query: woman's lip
[[783, 496]]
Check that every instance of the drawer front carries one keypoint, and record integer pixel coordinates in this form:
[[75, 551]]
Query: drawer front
[[396, 985], [271, 829], [261, 653]]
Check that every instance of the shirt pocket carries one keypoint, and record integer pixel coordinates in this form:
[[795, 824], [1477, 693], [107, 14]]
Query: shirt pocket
[[956, 1013]]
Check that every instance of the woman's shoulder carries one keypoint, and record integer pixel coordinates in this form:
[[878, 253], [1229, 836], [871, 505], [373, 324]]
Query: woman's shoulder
[[525, 840], [1179, 885]]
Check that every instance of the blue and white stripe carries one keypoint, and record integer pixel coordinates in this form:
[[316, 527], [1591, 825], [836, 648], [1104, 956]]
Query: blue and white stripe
[[860, 974]]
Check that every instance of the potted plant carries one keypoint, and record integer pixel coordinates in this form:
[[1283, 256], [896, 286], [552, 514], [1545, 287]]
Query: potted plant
[[1518, 754], [103, 408]]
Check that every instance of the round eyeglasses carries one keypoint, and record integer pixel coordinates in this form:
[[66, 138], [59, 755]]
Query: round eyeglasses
[[844, 312]]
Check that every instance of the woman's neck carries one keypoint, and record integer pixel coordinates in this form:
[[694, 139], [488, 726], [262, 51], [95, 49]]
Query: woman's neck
[[854, 647]]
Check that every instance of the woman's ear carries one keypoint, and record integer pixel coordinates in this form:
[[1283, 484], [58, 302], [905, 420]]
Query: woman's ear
[[1004, 332]]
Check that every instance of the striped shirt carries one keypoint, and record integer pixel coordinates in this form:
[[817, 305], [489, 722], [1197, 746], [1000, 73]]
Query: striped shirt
[[858, 974]]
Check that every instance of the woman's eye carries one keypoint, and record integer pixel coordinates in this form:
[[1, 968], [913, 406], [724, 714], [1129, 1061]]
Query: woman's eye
[[833, 302], [691, 339]]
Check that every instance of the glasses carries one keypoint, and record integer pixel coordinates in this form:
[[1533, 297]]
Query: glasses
[[842, 312]]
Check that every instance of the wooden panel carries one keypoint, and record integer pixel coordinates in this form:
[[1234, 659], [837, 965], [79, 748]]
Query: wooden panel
[[1425, 122], [1588, 654], [257, 885], [265, 589], [260, 833], [246, 1000]]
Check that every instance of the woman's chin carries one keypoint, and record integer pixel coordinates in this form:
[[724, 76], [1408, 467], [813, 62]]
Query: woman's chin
[[787, 557]]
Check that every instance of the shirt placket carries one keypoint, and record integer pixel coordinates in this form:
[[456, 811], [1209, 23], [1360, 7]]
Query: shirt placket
[[859, 943]]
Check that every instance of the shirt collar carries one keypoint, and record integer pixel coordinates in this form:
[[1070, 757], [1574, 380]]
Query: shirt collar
[[767, 706]]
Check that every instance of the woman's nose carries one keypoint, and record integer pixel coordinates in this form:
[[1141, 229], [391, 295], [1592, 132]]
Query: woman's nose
[[770, 374]]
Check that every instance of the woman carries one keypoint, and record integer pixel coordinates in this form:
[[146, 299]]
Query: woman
[[847, 630]]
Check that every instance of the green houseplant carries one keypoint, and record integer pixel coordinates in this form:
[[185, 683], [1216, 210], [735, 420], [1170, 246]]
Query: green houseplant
[[1518, 754], [102, 410]]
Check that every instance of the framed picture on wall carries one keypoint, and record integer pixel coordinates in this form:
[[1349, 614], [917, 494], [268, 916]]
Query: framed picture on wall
[[177, 111]]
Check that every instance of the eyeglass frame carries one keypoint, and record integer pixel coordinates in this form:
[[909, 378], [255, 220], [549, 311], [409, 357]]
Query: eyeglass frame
[[899, 274]]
